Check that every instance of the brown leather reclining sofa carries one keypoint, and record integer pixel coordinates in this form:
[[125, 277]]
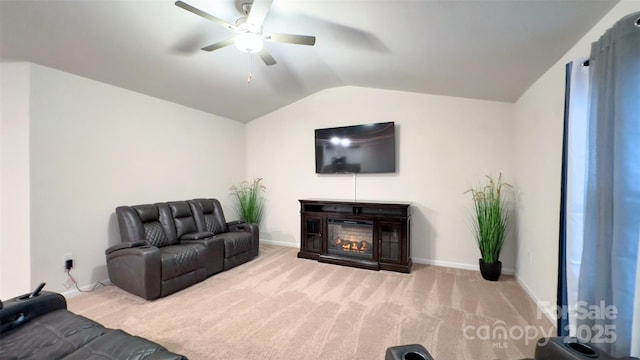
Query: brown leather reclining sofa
[[169, 246]]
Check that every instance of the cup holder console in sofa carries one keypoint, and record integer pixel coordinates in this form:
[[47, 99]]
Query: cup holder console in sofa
[[41, 327], [570, 348], [169, 246]]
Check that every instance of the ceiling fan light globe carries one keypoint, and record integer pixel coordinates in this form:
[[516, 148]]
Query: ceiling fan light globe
[[249, 42]]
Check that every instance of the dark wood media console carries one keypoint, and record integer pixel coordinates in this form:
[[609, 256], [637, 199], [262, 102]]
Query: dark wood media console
[[369, 235]]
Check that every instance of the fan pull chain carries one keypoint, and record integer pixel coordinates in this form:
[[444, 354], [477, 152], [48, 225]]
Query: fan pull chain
[[249, 75]]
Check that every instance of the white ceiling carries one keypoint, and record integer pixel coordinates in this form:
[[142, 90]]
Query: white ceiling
[[491, 50]]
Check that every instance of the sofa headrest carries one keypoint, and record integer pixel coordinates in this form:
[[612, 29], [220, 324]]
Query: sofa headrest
[[206, 206], [147, 212], [180, 209]]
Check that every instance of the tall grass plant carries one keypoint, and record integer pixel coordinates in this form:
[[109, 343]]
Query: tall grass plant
[[491, 216], [250, 201]]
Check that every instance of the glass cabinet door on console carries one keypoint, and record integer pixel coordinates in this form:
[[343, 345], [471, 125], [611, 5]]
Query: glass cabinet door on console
[[389, 241], [312, 231]]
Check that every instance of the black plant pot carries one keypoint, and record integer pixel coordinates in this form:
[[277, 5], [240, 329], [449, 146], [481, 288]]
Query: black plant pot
[[490, 271]]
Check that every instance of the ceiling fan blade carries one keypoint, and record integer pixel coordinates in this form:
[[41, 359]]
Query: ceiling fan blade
[[205, 15], [266, 57], [259, 10], [219, 44], [291, 39]]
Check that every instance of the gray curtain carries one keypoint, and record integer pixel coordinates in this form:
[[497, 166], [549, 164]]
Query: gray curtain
[[612, 193]]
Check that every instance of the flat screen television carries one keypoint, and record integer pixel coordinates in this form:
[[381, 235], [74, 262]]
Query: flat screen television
[[368, 148]]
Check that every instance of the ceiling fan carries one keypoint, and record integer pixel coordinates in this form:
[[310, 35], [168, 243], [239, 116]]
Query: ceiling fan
[[250, 36]]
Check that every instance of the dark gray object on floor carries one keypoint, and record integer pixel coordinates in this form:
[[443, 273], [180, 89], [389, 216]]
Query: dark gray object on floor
[[408, 352]]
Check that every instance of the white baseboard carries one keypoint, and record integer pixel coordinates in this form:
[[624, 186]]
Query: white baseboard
[[279, 243], [73, 292], [455, 265]]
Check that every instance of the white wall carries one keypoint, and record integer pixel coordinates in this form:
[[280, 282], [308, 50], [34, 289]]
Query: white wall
[[445, 145], [95, 146], [538, 154], [15, 274]]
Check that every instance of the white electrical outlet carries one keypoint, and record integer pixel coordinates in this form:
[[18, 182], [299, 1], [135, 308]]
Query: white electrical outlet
[[68, 256]]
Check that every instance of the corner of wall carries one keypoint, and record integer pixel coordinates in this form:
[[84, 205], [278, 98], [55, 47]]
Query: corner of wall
[[15, 247]]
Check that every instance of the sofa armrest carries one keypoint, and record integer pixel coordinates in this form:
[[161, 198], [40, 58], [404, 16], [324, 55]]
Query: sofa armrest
[[136, 269], [197, 236], [241, 225], [254, 229], [236, 222], [124, 245], [21, 309]]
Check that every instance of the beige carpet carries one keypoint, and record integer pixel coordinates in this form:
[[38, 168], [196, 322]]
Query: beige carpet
[[281, 307]]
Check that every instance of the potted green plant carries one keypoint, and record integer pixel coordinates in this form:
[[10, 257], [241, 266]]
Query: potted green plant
[[250, 202], [490, 224]]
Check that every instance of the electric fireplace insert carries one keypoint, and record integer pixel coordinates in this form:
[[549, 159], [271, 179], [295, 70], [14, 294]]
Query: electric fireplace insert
[[351, 238]]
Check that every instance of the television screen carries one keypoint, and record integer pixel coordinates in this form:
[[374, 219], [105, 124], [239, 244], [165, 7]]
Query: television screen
[[369, 148]]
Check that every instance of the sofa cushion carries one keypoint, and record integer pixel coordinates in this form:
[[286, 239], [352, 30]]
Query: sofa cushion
[[50, 336], [155, 235], [237, 242], [117, 344], [180, 259]]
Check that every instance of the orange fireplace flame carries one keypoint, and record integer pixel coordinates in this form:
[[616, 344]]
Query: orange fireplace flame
[[352, 246]]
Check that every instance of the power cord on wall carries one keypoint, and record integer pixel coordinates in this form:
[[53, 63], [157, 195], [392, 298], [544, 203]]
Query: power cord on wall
[[75, 283]]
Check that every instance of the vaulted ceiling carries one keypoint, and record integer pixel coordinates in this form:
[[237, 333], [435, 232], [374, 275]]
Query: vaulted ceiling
[[493, 49]]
